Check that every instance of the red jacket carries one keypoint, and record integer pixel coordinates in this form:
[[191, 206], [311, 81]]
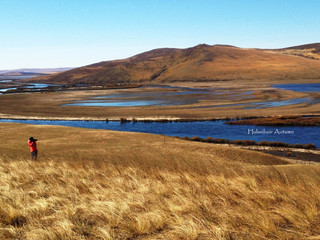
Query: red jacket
[[33, 146]]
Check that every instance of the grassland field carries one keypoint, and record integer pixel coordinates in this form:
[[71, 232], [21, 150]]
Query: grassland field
[[99, 184]]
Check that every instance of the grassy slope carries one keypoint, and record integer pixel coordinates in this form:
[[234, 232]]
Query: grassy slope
[[311, 51], [199, 63], [92, 184]]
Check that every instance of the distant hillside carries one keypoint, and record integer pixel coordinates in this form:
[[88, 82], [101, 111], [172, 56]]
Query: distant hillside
[[200, 63], [32, 71], [311, 51]]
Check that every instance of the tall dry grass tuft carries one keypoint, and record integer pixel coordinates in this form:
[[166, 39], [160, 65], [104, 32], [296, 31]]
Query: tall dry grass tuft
[[83, 200]]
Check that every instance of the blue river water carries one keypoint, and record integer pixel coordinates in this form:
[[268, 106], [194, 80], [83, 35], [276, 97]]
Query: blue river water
[[300, 87], [203, 129]]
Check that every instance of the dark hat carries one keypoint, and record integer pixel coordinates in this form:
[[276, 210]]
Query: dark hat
[[31, 139]]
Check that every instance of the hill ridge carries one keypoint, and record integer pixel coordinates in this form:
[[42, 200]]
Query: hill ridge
[[202, 62]]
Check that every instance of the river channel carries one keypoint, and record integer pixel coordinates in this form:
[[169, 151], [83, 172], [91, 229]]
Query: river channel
[[203, 129]]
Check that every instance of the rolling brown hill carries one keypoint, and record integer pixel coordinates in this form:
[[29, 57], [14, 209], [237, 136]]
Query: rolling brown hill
[[200, 63]]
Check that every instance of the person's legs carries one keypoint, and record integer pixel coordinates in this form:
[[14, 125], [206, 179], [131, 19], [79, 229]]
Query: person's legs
[[34, 155]]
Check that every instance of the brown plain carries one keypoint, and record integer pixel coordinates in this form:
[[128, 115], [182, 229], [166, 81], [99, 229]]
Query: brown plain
[[49, 105]]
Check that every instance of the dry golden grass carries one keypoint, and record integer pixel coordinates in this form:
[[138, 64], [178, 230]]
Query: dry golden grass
[[136, 186], [308, 53]]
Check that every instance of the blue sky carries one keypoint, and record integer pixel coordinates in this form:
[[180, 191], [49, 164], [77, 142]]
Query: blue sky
[[72, 33]]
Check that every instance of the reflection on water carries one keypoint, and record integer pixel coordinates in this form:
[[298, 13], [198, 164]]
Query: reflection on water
[[38, 85], [184, 96], [154, 97], [6, 89], [95, 103], [31, 86], [12, 83], [167, 102], [203, 129], [174, 96]]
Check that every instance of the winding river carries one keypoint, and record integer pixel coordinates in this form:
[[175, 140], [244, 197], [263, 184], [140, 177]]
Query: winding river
[[203, 129]]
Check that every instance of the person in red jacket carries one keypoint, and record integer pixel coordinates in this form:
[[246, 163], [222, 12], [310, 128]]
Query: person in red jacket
[[33, 148]]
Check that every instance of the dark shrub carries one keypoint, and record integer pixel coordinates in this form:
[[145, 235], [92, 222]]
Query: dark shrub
[[309, 146], [220, 140], [279, 144], [249, 142], [238, 142], [264, 143], [298, 145], [123, 120], [195, 138], [209, 140], [245, 142]]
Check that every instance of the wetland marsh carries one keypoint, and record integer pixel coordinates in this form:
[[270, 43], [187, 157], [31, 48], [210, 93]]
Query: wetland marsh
[[154, 102], [224, 100]]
